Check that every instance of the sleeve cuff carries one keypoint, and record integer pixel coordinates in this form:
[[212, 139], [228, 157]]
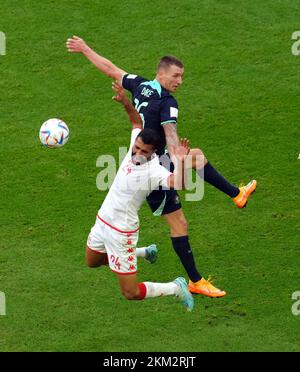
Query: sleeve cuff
[[168, 121]]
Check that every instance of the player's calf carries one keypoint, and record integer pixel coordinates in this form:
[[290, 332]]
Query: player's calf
[[177, 223], [133, 290]]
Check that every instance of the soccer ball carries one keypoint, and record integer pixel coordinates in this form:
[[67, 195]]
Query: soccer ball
[[54, 133]]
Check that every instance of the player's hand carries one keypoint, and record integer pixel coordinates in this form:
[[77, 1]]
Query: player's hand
[[120, 93], [76, 45], [182, 150]]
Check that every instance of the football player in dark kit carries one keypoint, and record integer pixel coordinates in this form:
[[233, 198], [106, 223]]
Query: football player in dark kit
[[159, 111]]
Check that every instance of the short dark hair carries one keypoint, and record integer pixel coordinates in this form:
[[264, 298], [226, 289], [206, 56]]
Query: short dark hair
[[150, 137], [168, 61]]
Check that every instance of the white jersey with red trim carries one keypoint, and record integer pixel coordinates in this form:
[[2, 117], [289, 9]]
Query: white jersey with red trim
[[132, 184]]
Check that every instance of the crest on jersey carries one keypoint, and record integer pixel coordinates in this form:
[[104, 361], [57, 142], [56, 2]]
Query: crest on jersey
[[130, 76]]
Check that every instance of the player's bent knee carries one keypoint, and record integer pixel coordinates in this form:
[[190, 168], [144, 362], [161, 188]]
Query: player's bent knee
[[196, 152], [199, 153], [199, 159], [130, 294]]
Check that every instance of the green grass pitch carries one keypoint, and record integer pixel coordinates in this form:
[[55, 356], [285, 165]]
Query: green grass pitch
[[239, 103]]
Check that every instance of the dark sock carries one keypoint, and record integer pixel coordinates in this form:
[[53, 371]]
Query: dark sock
[[183, 249], [216, 179]]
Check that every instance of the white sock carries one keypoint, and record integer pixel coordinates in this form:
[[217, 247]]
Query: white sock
[[161, 289], [141, 252]]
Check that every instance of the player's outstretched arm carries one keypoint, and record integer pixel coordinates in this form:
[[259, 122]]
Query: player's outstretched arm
[[121, 97], [180, 152], [78, 45]]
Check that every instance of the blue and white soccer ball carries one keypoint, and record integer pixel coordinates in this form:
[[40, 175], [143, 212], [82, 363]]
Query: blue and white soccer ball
[[54, 133]]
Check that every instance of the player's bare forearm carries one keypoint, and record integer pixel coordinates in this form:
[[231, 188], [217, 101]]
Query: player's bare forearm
[[176, 180], [78, 45], [121, 97], [172, 139], [133, 115], [104, 65]]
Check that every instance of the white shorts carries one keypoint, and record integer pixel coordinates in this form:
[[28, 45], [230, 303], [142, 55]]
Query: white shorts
[[119, 246]]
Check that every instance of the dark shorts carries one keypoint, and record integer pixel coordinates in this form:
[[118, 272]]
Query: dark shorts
[[164, 201]]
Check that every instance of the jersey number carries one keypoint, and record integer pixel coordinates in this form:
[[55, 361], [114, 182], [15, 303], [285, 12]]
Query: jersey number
[[138, 107]]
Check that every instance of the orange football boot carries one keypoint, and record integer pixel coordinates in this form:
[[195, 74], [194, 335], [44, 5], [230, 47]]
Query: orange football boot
[[205, 288], [242, 198]]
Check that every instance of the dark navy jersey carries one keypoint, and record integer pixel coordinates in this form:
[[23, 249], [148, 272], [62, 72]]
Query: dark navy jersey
[[154, 103]]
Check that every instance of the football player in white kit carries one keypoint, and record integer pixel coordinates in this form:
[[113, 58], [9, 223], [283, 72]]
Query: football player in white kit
[[113, 238]]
